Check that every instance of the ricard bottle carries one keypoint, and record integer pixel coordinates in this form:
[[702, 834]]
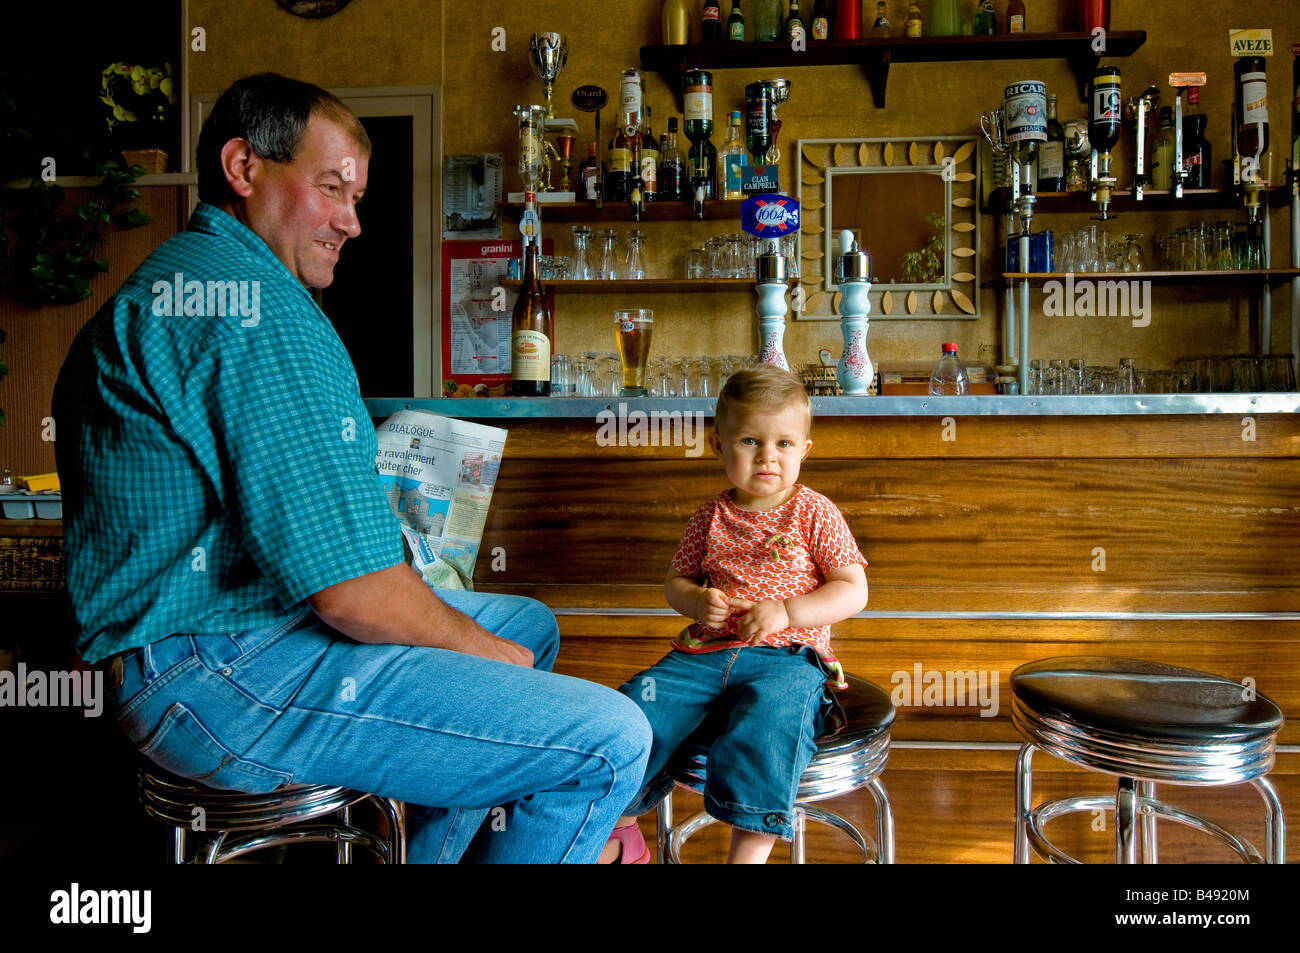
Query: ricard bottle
[[531, 334], [672, 178]]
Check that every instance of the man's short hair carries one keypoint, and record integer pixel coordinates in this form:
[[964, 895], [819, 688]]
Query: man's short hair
[[762, 387], [271, 113]]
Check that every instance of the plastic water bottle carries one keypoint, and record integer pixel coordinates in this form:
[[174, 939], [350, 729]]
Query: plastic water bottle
[[948, 376]]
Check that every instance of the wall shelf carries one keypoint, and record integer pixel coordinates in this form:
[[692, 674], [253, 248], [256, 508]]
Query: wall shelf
[[1274, 276], [94, 181], [1155, 200], [876, 54], [622, 211], [647, 285]]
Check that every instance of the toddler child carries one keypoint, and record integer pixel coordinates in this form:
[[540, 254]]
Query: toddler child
[[764, 569]]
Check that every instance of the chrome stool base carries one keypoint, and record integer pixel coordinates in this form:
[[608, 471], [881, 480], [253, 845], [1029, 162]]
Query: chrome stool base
[[1143, 723], [1130, 808], [230, 824], [844, 762], [877, 851]]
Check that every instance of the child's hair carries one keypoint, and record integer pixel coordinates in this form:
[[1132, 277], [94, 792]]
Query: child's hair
[[762, 387]]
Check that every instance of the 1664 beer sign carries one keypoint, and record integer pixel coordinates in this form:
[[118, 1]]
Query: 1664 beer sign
[[769, 216]]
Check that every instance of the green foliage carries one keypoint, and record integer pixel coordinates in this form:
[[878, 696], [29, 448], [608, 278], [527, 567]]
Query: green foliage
[[925, 267], [58, 252], [151, 90]]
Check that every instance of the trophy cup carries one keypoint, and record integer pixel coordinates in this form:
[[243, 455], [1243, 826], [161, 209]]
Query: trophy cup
[[548, 53]]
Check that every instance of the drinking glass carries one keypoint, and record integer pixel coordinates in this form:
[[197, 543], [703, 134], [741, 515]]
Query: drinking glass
[[583, 371], [683, 375], [633, 328], [1036, 370], [583, 270], [1279, 373], [1127, 379], [1076, 377], [1054, 377], [634, 266], [608, 255], [715, 252], [560, 382], [696, 263], [1132, 257]]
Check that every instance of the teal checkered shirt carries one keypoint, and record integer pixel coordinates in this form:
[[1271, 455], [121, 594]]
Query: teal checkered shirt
[[216, 459]]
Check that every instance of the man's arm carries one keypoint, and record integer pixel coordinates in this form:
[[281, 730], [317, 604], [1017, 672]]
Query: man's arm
[[394, 606]]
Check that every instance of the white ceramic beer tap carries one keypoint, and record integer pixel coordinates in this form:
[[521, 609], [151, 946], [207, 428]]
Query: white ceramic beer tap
[[771, 287], [854, 372]]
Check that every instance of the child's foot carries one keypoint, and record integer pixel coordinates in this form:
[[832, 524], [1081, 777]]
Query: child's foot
[[625, 846]]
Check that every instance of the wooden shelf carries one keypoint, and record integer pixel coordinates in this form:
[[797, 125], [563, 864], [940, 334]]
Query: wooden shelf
[[1155, 200], [648, 286], [93, 181], [1272, 275], [876, 54], [622, 212]]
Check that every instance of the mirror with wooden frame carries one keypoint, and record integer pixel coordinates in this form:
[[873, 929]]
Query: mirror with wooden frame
[[912, 204]]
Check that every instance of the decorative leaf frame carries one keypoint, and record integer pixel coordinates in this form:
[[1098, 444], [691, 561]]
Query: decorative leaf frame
[[957, 297]]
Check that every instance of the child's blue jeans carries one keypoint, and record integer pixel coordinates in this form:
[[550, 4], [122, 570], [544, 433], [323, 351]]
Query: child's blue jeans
[[758, 711]]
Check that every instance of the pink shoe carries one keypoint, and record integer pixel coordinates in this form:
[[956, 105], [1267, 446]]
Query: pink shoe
[[632, 845]]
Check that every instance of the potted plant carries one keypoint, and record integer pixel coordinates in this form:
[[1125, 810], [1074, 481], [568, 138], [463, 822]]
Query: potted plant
[[139, 100]]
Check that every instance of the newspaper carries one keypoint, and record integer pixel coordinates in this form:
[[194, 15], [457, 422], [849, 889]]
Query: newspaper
[[438, 474]]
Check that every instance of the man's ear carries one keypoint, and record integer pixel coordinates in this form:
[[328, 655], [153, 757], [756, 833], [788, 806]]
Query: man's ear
[[239, 162]]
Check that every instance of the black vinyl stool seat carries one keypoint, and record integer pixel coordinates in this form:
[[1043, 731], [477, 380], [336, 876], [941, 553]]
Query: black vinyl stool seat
[[233, 823], [1144, 722], [850, 758]]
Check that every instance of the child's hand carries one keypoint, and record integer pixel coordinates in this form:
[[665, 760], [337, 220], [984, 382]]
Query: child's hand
[[714, 607], [767, 617]]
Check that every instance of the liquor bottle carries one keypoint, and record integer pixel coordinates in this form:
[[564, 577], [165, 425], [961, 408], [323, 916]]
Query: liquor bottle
[[587, 174], [620, 159], [736, 24], [1251, 112], [677, 22], [986, 20], [913, 26], [702, 159], [882, 26], [531, 334], [821, 26], [1196, 147], [631, 97], [1162, 157], [1016, 16], [732, 157], [1051, 154], [672, 166], [794, 25], [649, 160], [767, 20], [712, 21], [848, 20]]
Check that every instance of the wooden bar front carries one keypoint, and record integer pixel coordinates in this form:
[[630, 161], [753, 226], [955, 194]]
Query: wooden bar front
[[992, 541]]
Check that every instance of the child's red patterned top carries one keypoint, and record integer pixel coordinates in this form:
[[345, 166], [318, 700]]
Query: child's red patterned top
[[773, 554]]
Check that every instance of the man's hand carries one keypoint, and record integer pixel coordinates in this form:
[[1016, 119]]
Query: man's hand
[[767, 617], [503, 650]]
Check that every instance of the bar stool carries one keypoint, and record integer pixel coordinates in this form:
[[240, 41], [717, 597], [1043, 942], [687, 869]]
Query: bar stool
[[237, 823], [849, 759], [1143, 722]]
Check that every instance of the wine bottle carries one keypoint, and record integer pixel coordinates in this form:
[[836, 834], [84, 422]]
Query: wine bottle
[[531, 334]]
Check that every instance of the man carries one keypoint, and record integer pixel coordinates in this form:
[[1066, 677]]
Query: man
[[233, 561]]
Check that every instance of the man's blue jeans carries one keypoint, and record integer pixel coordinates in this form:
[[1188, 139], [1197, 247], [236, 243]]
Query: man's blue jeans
[[452, 735]]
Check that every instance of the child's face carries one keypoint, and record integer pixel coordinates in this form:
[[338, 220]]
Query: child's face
[[762, 451]]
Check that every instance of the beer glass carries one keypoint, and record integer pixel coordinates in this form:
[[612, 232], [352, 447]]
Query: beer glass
[[632, 328]]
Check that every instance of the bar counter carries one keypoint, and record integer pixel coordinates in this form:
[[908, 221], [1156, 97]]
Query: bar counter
[[999, 531]]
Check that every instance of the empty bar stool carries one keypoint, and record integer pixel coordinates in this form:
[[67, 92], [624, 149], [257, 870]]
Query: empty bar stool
[[851, 758], [232, 823], [1145, 723]]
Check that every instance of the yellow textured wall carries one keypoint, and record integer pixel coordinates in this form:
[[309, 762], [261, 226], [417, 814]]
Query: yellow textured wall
[[406, 42]]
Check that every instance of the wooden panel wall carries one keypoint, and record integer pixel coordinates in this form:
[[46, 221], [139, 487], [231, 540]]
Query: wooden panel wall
[[38, 339], [1006, 520]]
